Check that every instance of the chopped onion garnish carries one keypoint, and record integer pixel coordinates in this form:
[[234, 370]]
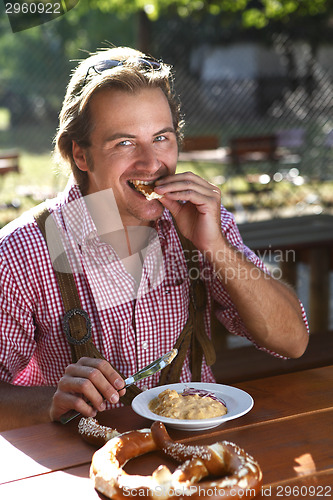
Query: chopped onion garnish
[[191, 391]]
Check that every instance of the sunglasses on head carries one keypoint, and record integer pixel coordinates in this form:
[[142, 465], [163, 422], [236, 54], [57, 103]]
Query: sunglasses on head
[[144, 62]]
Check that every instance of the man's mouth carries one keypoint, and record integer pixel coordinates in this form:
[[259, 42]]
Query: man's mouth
[[146, 188]]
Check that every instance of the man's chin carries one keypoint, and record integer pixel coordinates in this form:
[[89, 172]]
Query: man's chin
[[144, 216]]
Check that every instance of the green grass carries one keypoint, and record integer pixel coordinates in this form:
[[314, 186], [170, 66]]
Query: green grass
[[40, 178], [4, 119]]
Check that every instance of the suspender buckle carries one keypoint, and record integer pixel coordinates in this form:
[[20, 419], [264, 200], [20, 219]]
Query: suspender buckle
[[69, 314]]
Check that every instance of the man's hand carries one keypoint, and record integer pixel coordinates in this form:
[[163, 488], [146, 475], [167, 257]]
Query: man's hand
[[199, 218], [85, 386]]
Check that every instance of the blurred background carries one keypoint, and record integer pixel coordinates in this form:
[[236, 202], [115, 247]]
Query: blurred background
[[244, 69]]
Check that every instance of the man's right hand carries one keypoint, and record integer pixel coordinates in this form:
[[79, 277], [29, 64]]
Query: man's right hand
[[90, 379]]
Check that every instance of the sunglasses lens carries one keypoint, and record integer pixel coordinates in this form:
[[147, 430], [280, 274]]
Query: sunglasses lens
[[150, 63], [147, 63], [104, 65], [101, 66]]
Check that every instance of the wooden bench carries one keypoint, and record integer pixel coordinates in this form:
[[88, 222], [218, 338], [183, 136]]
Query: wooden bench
[[253, 149], [307, 239], [200, 143], [271, 148], [248, 363], [203, 148], [248, 151], [9, 162]]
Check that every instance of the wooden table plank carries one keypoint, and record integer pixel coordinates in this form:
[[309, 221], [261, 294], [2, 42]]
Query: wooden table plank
[[277, 397], [27, 450], [310, 487], [292, 452], [287, 447], [72, 483], [292, 416], [290, 394]]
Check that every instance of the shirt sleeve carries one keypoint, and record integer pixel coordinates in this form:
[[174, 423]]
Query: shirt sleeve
[[17, 328]]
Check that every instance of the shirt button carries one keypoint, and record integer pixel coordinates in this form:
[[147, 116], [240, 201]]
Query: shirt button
[[145, 345]]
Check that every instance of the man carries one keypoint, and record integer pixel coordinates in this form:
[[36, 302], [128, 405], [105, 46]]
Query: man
[[120, 128]]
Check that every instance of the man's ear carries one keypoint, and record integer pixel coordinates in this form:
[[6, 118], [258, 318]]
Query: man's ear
[[79, 156]]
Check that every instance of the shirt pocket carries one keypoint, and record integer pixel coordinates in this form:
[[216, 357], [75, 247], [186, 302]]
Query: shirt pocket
[[176, 302]]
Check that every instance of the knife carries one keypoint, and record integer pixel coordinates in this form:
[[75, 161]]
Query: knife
[[145, 372]]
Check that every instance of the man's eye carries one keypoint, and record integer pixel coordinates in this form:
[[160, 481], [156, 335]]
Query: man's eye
[[124, 143], [160, 138]]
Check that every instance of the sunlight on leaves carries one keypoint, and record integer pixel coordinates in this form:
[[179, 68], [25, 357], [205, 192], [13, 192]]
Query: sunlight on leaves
[[254, 18]]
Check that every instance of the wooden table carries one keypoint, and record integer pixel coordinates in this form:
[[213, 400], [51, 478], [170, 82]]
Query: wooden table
[[288, 431]]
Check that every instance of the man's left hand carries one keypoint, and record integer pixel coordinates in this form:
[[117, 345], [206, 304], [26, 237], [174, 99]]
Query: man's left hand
[[198, 218]]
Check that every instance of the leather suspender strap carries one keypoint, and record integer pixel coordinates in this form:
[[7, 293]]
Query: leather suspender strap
[[76, 322], [193, 335]]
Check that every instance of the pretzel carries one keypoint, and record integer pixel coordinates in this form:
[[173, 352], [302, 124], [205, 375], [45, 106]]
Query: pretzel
[[235, 473], [146, 189], [95, 433]]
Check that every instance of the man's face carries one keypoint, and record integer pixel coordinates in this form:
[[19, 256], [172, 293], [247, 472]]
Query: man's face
[[133, 138]]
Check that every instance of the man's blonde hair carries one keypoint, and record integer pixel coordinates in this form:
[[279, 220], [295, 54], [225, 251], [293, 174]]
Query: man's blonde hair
[[131, 75]]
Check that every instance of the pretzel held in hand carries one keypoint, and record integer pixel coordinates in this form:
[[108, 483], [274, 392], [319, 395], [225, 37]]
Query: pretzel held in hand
[[235, 474]]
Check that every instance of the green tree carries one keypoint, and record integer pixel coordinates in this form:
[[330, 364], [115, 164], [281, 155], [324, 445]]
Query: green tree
[[35, 64], [255, 13], [309, 19]]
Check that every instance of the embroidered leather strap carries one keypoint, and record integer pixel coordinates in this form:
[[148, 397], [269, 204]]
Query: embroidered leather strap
[[193, 336], [76, 322]]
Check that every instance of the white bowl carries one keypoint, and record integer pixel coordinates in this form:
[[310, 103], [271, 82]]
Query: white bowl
[[238, 403]]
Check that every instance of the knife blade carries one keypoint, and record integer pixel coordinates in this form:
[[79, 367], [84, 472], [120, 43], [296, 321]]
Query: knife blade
[[152, 368], [145, 372]]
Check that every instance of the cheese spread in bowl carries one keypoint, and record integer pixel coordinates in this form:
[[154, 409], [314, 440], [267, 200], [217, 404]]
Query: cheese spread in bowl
[[237, 402], [189, 405]]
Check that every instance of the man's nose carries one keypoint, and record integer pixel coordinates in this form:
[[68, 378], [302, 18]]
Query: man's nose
[[147, 158]]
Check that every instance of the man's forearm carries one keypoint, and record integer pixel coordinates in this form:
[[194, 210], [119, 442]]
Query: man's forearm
[[269, 309], [21, 406]]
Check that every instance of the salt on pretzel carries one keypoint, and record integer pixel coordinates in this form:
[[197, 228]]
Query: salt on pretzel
[[235, 473], [95, 433]]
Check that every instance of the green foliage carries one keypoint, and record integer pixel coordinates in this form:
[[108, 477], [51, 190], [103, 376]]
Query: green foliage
[[36, 63], [283, 10], [255, 13]]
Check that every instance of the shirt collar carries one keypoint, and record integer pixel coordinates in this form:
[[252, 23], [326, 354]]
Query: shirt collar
[[79, 222], [76, 216], [163, 226]]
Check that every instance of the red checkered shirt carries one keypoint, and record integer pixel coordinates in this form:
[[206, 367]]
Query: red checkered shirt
[[130, 334]]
